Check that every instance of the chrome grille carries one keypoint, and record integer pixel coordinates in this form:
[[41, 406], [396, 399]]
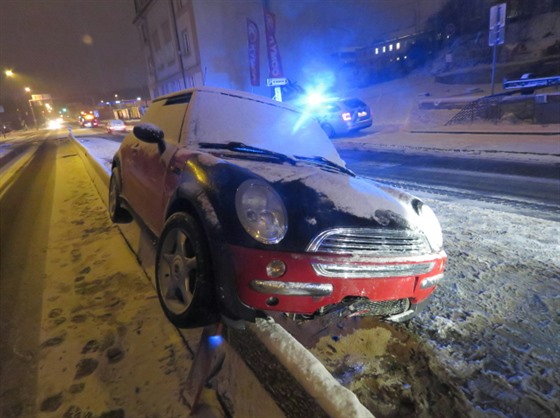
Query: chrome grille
[[376, 253], [369, 241]]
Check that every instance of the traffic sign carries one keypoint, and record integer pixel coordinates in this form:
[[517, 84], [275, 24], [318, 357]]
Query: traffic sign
[[497, 32], [273, 82]]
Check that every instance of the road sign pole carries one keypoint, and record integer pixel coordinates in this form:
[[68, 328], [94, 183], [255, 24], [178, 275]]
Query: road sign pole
[[496, 33], [493, 67]]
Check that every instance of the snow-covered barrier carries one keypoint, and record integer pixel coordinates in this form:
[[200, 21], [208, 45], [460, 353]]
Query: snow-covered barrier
[[95, 169]]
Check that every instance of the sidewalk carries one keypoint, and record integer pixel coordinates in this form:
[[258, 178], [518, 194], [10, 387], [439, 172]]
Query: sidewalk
[[542, 146]]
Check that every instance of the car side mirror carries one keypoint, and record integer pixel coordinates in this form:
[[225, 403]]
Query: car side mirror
[[151, 134]]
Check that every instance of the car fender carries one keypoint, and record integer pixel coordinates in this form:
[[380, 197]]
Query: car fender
[[192, 196]]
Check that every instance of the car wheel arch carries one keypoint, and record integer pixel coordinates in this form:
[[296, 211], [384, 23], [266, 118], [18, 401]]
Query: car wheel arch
[[190, 201]]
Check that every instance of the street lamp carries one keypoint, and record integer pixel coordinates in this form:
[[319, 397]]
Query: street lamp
[[9, 73]]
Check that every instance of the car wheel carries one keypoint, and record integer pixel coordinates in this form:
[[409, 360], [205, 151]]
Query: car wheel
[[329, 130], [184, 273], [117, 213]]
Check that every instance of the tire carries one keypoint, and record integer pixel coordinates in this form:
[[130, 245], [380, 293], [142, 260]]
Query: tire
[[329, 130], [184, 273], [117, 213]]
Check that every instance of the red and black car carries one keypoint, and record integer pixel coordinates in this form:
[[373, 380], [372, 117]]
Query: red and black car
[[255, 211]]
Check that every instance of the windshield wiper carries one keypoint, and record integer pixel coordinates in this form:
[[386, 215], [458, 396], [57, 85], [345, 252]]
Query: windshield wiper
[[322, 161], [247, 149]]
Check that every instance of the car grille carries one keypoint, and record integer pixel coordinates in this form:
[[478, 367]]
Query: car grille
[[374, 253], [374, 242]]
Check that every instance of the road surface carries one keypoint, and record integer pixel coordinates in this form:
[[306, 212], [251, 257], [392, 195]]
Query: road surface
[[524, 187]]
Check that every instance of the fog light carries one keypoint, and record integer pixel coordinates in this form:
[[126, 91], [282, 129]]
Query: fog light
[[276, 268], [272, 301]]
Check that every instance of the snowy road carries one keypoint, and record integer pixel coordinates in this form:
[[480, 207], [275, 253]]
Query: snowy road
[[527, 187]]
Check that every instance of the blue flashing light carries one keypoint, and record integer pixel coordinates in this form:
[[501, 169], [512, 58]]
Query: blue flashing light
[[315, 98]]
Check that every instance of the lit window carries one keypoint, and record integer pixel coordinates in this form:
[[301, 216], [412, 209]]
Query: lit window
[[376, 51], [391, 47], [398, 45], [384, 49]]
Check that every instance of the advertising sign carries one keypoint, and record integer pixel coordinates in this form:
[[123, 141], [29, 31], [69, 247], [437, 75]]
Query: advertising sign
[[40, 97], [254, 63], [274, 60]]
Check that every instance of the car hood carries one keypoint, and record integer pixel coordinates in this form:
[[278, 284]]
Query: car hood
[[342, 193], [320, 195]]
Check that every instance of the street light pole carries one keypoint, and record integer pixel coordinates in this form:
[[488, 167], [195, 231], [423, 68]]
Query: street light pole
[[33, 113], [28, 90]]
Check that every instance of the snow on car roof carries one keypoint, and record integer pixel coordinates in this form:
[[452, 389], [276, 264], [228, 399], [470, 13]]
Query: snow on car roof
[[221, 116]]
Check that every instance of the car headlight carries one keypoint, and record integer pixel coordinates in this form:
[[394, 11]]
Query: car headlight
[[430, 226], [261, 211]]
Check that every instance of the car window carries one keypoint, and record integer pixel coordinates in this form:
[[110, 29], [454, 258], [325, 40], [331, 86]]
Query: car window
[[168, 114], [222, 118], [354, 103]]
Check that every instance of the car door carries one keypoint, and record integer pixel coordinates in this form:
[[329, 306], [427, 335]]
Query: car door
[[146, 166]]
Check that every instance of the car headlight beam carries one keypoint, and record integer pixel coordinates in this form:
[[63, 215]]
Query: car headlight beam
[[261, 211]]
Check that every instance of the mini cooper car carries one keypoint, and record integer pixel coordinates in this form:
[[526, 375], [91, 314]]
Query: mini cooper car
[[255, 211]]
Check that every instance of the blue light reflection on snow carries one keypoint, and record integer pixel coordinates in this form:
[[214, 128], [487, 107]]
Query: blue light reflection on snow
[[215, 341]]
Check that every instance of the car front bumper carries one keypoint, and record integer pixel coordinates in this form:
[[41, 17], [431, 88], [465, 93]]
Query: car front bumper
[[304, 288]]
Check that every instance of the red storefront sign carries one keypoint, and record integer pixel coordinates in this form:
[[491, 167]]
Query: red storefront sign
[[274, 60]]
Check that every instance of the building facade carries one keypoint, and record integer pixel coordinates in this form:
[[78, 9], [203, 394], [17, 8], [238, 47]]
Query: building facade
[[189, 43], [239, 44]]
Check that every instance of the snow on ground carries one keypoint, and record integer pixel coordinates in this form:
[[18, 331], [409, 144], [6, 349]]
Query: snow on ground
[[495, 319]]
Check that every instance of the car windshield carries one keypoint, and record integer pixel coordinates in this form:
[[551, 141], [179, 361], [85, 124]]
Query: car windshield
[[261, 124]]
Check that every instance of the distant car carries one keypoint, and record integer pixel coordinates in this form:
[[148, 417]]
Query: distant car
[[255, 211], [88, 121], [115, 125], [342, 116]]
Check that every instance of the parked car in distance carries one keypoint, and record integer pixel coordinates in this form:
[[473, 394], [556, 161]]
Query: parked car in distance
[[115, 125], [342, 116], [255, 211]]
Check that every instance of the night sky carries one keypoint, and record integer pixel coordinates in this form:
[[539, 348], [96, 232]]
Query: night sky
[[75, 50]]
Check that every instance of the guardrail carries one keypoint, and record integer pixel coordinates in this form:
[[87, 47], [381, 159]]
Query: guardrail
[[531, 83]]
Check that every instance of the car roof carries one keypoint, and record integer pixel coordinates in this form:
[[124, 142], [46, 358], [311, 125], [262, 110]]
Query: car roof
[[227, 92]]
